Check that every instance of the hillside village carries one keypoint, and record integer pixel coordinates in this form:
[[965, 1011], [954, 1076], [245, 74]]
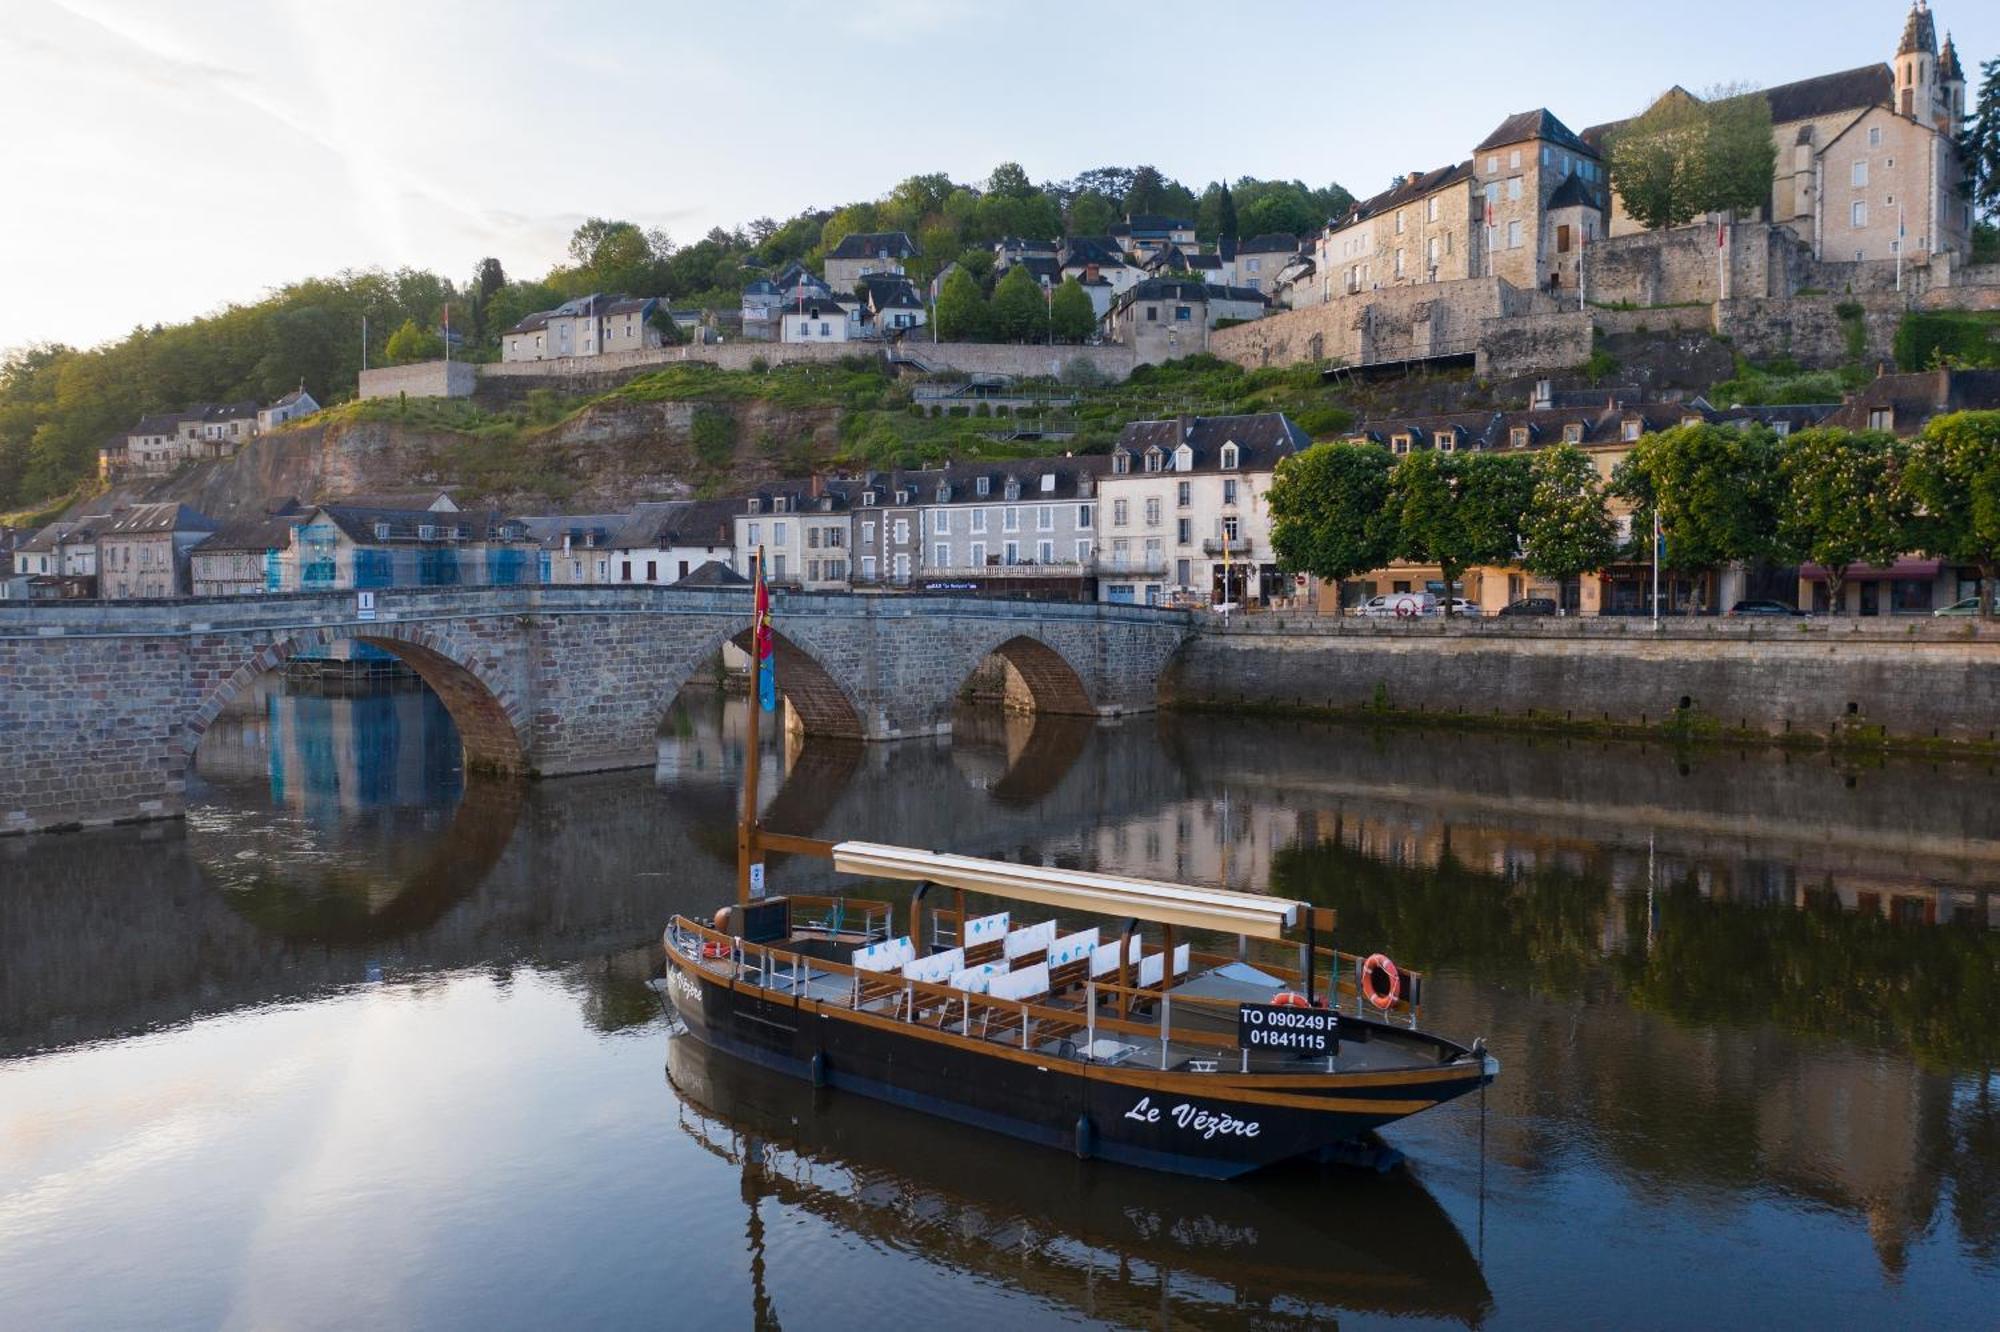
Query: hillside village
[[1513, 265]]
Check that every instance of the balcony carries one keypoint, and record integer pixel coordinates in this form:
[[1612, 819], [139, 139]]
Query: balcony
[[1233, 546], [1111, 566]]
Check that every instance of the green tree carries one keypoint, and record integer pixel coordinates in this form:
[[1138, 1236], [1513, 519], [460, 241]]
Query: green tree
[[1330, 510], [1733, 168], [1651, 161], [1091, 214], [413, 343], [961, 308], [1566, 531], [1073, 316], [1459, 510], [1953, 480], [1020, 309], [1842, 502], [1717, 491], [1979, 143], [1010, 181]]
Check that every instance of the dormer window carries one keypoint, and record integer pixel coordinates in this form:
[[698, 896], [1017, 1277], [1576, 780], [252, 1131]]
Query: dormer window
[[756, 506], [381, 531], [1447, 440], [1573, 433], [943, 494], [1881, 418], [902, 497], [1230, 453], [982, 485], [1629, 429], [1690, 420], [1517, 437], [778, 504], [1183, 459], [1013, 488], [1154, 460], [1399, 443], [1121, 463], [1781, 427], [426, 532], [867, 499], [1048, 483]]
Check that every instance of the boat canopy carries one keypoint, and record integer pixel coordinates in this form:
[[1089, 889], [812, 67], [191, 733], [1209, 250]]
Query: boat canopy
[[1148, 899]]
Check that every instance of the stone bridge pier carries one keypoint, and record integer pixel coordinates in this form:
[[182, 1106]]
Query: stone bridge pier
[[102, 706]]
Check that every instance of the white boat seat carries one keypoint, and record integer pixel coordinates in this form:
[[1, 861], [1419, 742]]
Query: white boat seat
[[889, 955], [936, 969], [1104, 958], [1027, 983], [1029, 940]]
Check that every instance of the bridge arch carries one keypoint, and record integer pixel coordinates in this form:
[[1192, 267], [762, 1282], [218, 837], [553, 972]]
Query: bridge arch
[[481, 708], [1040, 679], [823, 706]]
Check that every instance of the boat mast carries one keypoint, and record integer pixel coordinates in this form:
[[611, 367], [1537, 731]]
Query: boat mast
[[750, 855]]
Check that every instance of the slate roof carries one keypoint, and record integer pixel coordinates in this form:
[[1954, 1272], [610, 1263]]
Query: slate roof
[[294, 396], [163, 423], [1151, 222], [1601, 422], [405, 525], [1917, 397], [1271, 242], [960, 480], [64, 532], [874, 245], [1849, 90], [1573, 193], [596, 304], [1919, 31], [676, 523], [1261, 438], [150, 519], [1186, 289], [1430, 182], [1540, 123], [1948, 66], [713, 573], [1099, 250], [266, 531], [891, 291]]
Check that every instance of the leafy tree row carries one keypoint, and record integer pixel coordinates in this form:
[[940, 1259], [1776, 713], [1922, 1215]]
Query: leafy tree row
[[1019, 310], [59, 405], [1827, 496]]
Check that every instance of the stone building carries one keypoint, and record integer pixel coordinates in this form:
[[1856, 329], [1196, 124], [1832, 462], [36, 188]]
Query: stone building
[[587, 326], [1027, 525], [347, 545], [1424, 229], [1259, 260], [805, 529], [889, 526], [244, 557], [863, 253], [1162, 319], [293, 405], [142, 551], [58, 562], [1182, 514], [1542, 190], [1864, 153]]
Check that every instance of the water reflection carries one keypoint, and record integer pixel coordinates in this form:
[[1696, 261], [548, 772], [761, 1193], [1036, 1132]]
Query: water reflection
[[1741, 994], [1128, 1246]]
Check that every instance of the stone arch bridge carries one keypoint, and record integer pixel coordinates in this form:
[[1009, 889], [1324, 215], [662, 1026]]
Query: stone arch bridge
[[103, 705]]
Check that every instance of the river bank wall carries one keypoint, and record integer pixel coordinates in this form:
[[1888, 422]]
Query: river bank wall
[[1824, 681]]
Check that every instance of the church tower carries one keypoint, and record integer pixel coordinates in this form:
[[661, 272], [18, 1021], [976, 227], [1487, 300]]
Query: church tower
[[1951, 87], [1916, 66]]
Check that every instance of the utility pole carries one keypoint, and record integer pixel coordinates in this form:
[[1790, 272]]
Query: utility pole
[[364, 342]]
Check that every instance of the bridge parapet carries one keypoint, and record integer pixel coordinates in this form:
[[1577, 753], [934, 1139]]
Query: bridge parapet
[[107, 701]]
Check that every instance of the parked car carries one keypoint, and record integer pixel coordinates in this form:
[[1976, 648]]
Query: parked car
[[1744, 609], [1471, 610], [1530, 606], [1969, 606], [1401, 606]]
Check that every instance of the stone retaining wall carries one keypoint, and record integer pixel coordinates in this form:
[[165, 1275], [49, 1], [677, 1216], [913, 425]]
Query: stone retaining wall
[[1024, 360], [1899, 680], [426, 379]]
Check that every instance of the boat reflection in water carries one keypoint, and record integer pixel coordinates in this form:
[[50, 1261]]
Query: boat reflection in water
[[1287, 1247]]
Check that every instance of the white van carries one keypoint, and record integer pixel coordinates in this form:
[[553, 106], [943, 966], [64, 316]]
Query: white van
[[1401, 606]]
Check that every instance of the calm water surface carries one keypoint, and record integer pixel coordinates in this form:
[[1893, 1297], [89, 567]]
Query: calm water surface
[[367, 1043]]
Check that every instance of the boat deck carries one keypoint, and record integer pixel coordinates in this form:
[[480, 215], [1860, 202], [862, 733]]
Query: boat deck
[[1058, 1025]]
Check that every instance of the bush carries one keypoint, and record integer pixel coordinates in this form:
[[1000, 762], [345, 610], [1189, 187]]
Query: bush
[[1962, 338], [1847, 310], [714, 436], [759, 366], [1323, 422]]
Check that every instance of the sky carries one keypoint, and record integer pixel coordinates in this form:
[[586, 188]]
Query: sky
[[164, 158]]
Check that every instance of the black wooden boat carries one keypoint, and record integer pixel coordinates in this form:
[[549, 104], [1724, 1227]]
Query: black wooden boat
[[1106, 1040]]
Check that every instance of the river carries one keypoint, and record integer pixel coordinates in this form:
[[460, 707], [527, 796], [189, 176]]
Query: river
[[366, 1042]]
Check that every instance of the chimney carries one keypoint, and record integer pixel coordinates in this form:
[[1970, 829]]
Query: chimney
[[816, 485], [1186, 424]]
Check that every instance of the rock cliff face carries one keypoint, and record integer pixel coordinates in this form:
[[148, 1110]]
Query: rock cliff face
[[604, 458]]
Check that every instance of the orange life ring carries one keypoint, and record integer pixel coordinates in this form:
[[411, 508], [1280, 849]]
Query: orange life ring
[[715, 948], [1289, 999], [1379, 965]]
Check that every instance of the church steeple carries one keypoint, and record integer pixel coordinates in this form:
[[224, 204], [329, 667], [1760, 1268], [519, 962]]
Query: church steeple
[[1951, 85], [1916, 65]]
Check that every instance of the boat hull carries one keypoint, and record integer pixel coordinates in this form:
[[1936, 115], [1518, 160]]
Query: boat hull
[[1208, 1125]]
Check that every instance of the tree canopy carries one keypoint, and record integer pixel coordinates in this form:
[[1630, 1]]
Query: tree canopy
[[1072, 316], [1685, 155], [1330, 513], [1841, 502], [1566, 531], [1716, 489], [1953, 479], [1459, 510]]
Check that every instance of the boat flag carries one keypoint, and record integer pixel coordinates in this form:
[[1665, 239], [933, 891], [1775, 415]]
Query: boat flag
[[767, 675]]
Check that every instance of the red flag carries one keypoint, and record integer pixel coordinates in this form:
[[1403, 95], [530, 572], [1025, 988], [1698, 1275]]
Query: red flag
[[1718, 233], [763, 643]]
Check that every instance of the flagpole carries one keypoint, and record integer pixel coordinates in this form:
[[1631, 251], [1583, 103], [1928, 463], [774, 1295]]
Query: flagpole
[[1899, 247]]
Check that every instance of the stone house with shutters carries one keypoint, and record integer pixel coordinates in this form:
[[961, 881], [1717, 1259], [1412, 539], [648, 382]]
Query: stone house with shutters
[[1542, 198], [1163, 319], [142, 550], [1258, 261], [590, 325], [1183, 514], [1031, 521], [889, 526], [1425, 229], [805, 529], [865, 253]]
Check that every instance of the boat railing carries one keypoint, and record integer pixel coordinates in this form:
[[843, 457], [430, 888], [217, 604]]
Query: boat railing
[[1119, 1024], [836, 916], [1341, 980]]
